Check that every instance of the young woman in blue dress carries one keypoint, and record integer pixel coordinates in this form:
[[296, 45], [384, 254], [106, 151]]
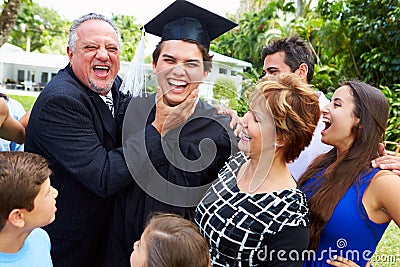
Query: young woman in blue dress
[[351, 203]]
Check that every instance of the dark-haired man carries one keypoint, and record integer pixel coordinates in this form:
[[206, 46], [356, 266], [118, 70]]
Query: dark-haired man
[[293, 55]]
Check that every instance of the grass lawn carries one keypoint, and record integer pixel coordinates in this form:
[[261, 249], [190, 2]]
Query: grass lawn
[[26, 101], [387, 253]]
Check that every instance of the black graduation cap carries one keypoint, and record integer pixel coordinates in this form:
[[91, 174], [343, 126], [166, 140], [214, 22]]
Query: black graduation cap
[[183, 20]]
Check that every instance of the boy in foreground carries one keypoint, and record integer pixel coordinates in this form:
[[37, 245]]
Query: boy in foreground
[[27, 202]]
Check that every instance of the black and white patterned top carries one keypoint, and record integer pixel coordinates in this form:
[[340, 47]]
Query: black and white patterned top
[[243, 229]]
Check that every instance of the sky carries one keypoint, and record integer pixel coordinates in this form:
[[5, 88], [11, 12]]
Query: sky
[[142, 10]]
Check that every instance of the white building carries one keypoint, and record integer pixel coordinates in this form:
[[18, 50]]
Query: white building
[[28, 70], [32, 71]]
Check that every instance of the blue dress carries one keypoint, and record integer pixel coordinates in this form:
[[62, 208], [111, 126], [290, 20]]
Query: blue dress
[[349, 232]]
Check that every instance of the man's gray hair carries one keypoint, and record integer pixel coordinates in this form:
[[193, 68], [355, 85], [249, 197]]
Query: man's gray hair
[[73, 36]]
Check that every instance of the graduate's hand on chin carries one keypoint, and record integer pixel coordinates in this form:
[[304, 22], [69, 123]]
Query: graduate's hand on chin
[[343, 262], [168, 118]]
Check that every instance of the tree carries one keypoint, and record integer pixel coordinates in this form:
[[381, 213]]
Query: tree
[[349, 39], [363, 36], [225, 91], [43, 30], [248, 6], [130, 34], [40, 29], [8, 18], [393, 96]]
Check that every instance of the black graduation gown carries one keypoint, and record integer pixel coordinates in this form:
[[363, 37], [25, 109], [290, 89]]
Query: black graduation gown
[[160, 156]]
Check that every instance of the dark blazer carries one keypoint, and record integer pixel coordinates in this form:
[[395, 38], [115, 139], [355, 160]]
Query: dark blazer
[[71, 126]]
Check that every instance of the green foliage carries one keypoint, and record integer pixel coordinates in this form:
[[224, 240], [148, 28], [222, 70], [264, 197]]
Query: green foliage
[[393, 96], [242, 106], [41, 27], [148, 59], [278, 20], [246, 41], [225, 90], [349, 38], [248, 82], [363, 37], [130, 35], [325, 78], [48, 32]]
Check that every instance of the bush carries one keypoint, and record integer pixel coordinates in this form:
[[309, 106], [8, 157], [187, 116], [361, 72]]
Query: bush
[[225, 91], [393, 127]]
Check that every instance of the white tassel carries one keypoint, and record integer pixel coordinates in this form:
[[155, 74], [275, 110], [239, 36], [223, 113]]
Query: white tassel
[[134, 80]]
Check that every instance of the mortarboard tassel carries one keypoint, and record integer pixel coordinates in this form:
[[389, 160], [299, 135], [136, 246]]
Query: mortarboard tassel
[[135, 81]]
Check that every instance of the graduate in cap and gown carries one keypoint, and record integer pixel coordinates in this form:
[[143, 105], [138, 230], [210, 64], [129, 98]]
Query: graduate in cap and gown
[[174, 142]]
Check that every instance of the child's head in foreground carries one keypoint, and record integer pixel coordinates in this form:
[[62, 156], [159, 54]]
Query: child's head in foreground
[[170, 241], [27, 200]]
